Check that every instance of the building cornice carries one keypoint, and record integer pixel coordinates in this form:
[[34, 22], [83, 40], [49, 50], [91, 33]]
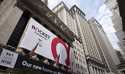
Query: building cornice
[[75, 9], [92, 60], [42, 12]]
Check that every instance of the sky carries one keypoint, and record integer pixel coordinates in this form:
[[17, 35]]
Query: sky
[[97, 9], [91, 7], [104, 19]]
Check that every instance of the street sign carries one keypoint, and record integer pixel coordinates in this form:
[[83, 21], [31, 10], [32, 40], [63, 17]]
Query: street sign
[[8, 58]]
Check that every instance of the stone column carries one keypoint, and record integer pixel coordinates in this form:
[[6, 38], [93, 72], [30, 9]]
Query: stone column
[[94, 70], [91, 70]]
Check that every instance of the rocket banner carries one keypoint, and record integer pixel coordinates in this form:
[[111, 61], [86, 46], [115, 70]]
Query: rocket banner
[[43, 42]]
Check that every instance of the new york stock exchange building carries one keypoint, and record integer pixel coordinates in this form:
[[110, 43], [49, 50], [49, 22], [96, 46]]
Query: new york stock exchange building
[[30, 34]]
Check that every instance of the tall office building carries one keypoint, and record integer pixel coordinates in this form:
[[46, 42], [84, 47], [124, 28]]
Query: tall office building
[[79, 64], [117, 21], [93, 57], [74, 18], [105, 46]]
